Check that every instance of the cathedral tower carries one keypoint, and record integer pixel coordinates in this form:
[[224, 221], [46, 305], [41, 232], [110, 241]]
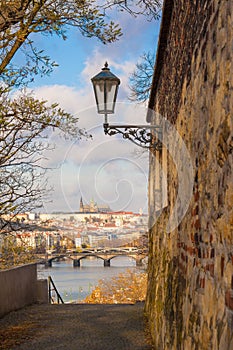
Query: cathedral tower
[[81, 207]]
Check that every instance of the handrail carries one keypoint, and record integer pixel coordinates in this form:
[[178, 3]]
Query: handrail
[[59, 298]]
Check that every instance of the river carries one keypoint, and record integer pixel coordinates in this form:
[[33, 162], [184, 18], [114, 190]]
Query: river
[[74, 284]]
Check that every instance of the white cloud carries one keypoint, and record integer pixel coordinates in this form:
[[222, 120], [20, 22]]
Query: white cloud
[[103, 168]]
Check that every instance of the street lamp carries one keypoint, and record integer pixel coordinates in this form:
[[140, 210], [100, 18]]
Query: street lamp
[[106, 86]]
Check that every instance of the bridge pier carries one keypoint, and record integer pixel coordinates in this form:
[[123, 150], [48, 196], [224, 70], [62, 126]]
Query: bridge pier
[[76, 263], [139, 262], [106, 262], [48, 263]]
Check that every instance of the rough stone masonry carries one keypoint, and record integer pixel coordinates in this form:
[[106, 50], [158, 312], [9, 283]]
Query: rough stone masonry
[[190, 292]]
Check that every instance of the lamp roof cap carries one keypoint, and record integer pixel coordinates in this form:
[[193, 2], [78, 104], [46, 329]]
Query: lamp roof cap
[[106, 74]]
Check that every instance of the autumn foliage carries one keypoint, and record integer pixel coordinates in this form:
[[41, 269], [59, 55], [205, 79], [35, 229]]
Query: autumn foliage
[[128, 287]]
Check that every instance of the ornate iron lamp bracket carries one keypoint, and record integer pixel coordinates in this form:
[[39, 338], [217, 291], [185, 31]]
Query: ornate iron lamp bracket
[[146, 136], [106, 86]]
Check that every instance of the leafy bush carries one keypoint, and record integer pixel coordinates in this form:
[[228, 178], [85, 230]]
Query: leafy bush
[[128, 287]]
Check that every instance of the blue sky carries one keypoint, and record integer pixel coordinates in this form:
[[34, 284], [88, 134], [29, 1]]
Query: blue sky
[[139, 35], [105, 169]]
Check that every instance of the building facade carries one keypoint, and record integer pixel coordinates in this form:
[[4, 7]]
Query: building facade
[[190, 290]]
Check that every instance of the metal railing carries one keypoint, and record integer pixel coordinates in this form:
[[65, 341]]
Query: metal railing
[[52, 288]]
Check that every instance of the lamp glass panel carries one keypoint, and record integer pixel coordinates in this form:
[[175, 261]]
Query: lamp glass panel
[[110, 95], [99, 91]]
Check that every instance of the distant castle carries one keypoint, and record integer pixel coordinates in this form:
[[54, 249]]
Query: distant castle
[[93, 207]]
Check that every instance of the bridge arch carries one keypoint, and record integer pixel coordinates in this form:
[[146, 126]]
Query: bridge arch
[[106, 256], [48, 262], [91, 254], [138, 259], [76, 261]]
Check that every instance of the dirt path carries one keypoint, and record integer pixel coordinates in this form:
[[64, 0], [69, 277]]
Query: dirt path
[[75, 327]]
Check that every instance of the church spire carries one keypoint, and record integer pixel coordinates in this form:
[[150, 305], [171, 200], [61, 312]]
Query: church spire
[[81, 208]]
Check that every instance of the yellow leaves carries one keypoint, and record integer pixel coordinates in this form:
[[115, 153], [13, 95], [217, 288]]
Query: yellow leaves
[[21, 35], [128, 287], [13, 254], [15, 335]]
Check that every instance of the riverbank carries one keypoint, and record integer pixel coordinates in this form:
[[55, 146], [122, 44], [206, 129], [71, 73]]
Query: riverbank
[[73, 327]]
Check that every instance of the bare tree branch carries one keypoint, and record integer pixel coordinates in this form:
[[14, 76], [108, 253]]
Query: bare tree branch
[[141, 78], [23, 140]]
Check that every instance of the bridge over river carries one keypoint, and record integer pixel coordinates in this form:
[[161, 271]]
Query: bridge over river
[[106, 256]]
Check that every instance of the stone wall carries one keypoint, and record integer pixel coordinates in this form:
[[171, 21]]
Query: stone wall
[[19, 287], [190, 291]]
